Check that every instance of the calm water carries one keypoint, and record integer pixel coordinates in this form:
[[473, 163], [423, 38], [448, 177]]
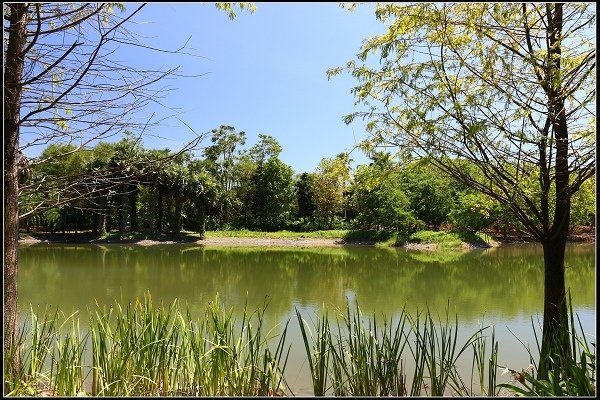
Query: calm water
[[501, 287]]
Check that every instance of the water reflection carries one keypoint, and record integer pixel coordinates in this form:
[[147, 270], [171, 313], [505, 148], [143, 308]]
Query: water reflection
[[506, 281]]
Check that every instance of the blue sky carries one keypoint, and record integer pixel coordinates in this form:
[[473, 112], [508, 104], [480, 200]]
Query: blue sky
[[266, 73]]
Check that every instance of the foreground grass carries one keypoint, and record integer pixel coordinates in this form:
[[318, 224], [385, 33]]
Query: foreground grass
[[144, 350]]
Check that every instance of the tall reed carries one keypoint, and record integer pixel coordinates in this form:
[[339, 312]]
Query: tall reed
[[24, 365], [146, 350], [67, 369], [367, 358], [318, 358]]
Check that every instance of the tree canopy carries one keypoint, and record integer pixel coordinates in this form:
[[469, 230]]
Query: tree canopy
[[509, 88]]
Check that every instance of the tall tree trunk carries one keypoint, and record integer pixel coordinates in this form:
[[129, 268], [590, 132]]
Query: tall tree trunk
[[123, 211], [152, 209], [555, 336], [159, 212], [101, 220], [12, 104], [177, 215], [202, 218], [133, 198]]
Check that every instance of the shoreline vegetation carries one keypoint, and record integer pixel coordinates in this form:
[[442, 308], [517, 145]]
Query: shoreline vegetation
[[421, 240], [147, 349]]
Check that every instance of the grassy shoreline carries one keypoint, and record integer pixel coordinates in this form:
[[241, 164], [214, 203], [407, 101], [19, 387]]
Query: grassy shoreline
[[421, 240]]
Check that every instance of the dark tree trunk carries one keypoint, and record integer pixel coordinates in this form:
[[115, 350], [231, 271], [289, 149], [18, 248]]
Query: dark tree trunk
[[12, 104], [152, 209], [177, 215], [201, 218], [133, 198], [555, 337], [101, 227], [159, 212], [123, 211], [101, 220]]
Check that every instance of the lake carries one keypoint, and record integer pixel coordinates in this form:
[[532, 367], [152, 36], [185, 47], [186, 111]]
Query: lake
[[499, 286]]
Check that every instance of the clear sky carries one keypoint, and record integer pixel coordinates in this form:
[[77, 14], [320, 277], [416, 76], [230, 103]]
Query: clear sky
[[266, 73]]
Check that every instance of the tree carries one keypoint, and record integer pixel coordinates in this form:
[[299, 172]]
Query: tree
[[473, 211], [330, 182], [274, 195], [223, 155], [201, 192], [63, 164], [61, 85], [305, 196], [377, 197], [430, 193], [583, 204], [508, 87], [268, 147]]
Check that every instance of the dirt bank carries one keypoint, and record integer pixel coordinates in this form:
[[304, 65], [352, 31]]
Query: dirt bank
[[228, 241]]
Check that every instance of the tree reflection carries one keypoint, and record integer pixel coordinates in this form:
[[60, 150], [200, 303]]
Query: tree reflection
[[504, 282]]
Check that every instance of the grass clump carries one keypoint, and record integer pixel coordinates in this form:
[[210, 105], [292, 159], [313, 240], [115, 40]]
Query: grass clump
[[144, 350], [447, 240], [367, 358]]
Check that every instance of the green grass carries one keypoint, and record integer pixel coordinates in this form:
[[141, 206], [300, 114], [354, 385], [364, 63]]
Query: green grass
[[448, 240], [141, 349], [367, 357], [571, 376]]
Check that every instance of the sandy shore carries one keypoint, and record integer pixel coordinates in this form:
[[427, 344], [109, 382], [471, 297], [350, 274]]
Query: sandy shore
[[228, 241]]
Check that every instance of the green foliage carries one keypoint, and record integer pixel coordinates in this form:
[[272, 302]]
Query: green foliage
[[62, 161], [265, 149], [473, 212], [274, 194], [450, 239], [229, 8], [305, 197], [583, 204], [379, 200], [329, 184], [262, 192], [430, 193], [222, 158]]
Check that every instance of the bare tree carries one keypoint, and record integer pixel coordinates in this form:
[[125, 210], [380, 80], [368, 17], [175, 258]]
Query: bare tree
[[64, 83]]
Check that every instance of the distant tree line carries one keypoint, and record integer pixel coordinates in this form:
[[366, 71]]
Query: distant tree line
[[234, 187]]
